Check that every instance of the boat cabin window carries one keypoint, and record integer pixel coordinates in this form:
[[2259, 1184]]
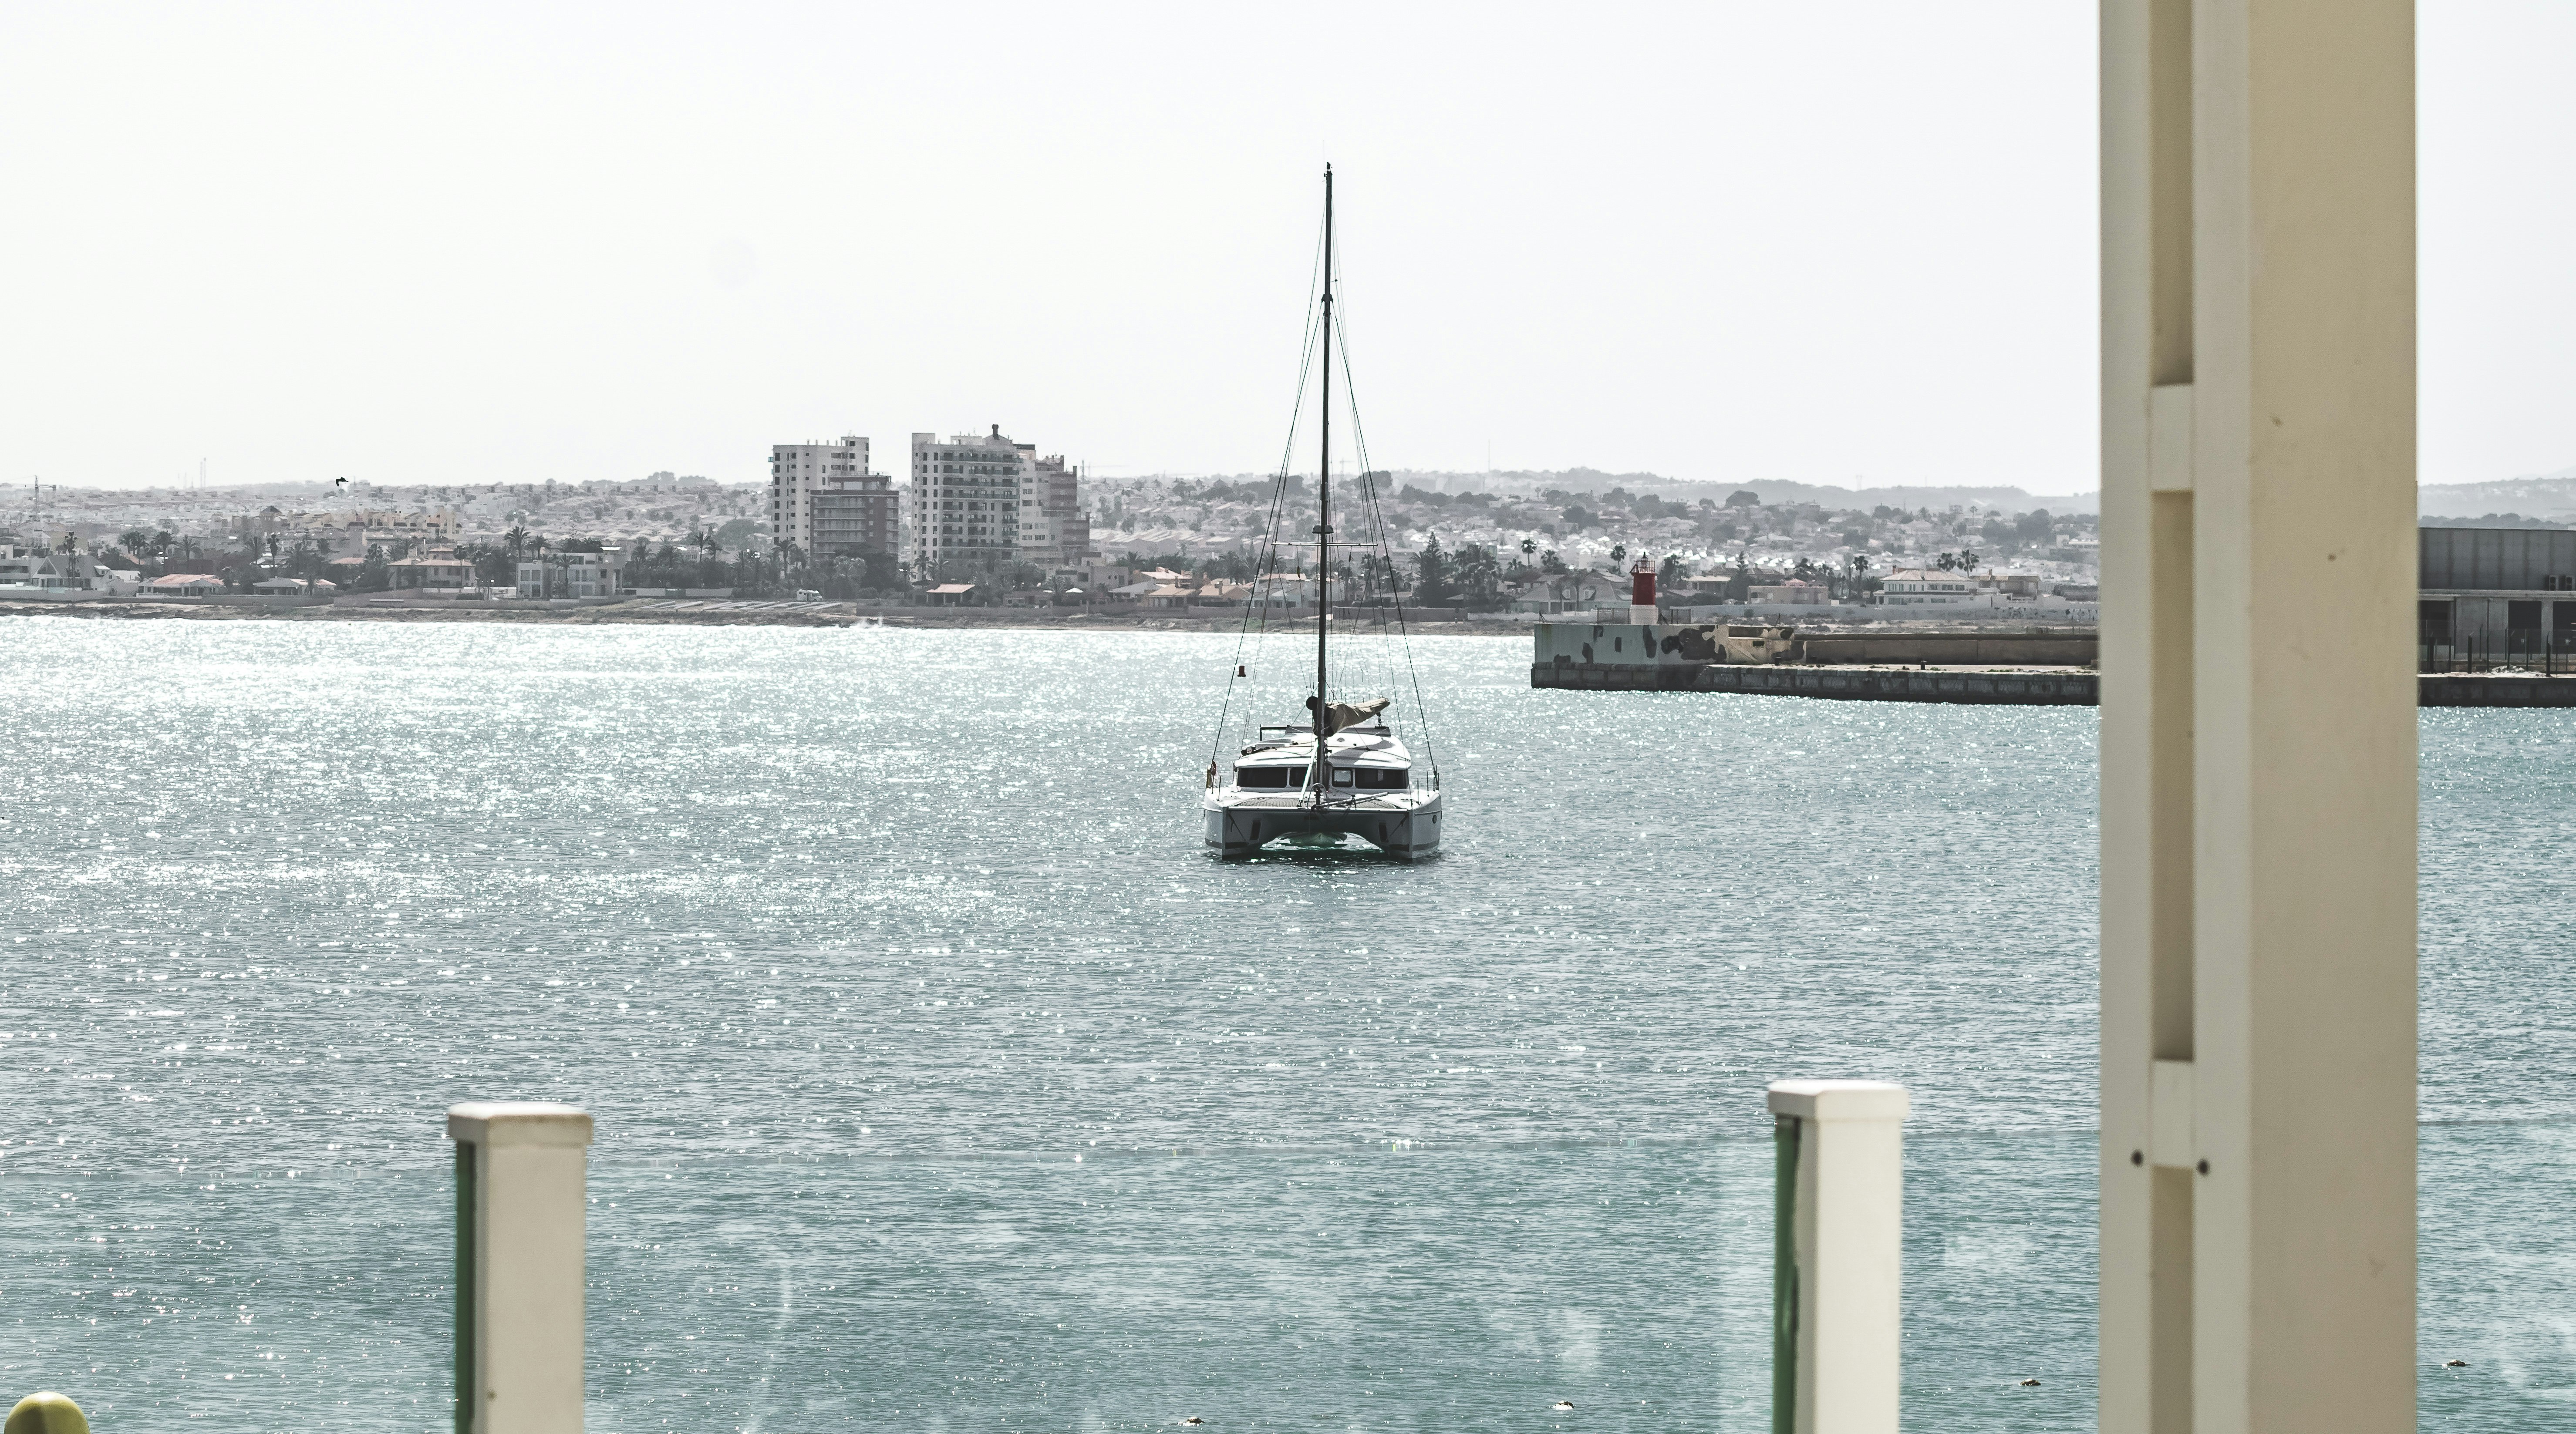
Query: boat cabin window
[[1382, 778], [1270, 776], [1341, 776]]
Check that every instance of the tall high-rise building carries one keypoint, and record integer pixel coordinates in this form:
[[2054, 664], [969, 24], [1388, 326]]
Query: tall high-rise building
[[857, 516], [968, 496], [1054, 530], [797, 475]]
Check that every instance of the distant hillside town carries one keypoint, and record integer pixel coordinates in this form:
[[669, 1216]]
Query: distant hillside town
[[983, 519], [978, 518]]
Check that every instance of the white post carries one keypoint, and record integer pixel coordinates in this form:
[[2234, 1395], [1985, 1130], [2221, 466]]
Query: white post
[[521, 1216], [1844, 1270], [2258, 716]]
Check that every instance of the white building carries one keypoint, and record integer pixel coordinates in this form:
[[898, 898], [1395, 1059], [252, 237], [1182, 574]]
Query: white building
[[58, 572], [570, 574], [797, 474], [1796, 592], [1922, 587], [968, 495]]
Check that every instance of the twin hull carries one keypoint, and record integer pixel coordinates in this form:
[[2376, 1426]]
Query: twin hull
[[1402, 824]]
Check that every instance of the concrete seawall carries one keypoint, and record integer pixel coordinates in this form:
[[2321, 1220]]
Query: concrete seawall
[[2493, 689], [2062, 687], [1691, 644], [2065, 687]]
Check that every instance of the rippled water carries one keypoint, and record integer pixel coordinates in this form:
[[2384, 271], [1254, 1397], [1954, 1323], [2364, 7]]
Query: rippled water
[[943, 1082]]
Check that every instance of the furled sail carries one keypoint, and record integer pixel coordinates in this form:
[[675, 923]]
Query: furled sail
[[1339, 716]]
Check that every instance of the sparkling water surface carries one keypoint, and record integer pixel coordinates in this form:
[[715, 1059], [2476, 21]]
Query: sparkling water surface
[[944, 1083]]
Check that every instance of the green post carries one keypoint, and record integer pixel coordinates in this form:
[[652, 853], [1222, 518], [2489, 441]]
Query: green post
[[1784, 1275], [464, 1287]]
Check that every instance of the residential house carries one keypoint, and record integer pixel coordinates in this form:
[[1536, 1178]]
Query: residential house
[[1927, 587], [571, 574], [53, 572], [437, 571], [1796, 592]]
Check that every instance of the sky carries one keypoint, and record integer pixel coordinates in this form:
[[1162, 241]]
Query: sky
[[1843, 243]]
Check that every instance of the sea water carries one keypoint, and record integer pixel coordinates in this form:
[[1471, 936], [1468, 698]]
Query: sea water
[[944, 1083]]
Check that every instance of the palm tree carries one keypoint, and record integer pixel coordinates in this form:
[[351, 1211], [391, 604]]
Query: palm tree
[[515, 540], [1618, 555], [1529, 547]]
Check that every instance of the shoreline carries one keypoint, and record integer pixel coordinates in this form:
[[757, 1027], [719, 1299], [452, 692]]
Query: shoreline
[[644, 612]]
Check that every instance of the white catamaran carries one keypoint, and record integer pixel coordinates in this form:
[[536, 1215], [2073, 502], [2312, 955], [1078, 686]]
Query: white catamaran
[[1343, 772]]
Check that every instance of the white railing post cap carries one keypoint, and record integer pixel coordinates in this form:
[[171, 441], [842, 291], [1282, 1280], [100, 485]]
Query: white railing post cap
[[1839, 1099], [518, 1122]]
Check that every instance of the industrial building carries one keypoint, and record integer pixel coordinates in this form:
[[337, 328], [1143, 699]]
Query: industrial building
[[2494, 595]]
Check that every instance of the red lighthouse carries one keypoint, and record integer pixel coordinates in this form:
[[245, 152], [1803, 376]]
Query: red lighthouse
[[1641, 593]]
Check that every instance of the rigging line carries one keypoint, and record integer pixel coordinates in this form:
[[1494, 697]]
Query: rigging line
[[1268, 557], [1278, 491], [1404, 637], [1396, 599], [1359, 444]]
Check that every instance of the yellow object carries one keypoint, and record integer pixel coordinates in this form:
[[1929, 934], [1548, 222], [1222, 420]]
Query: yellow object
[[46, 1413]]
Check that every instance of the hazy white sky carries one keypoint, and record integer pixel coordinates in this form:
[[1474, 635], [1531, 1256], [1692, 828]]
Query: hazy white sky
[[1724, 242]]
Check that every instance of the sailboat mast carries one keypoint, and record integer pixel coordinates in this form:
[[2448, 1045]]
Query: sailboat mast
[[1324, 488]]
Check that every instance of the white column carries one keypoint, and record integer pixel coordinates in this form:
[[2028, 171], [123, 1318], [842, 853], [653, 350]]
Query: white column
[[2147, 663], [2258, 718], [1849, 1234], [522, 1223]]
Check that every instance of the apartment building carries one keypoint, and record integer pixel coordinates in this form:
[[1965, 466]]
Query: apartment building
[[1054, 530], [798, 474], [852, 517], [969, 495]]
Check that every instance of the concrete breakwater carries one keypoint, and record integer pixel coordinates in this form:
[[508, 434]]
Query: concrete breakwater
[[2494, 689], [2046, 669], [1689, 645], [2061, 687], [2040, 668]]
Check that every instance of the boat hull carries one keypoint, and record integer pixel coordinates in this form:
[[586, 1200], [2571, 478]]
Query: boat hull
[[1407, 826]]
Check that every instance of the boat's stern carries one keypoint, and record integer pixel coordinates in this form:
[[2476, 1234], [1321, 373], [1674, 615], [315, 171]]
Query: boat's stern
[[1233, 830], [1409, 827]]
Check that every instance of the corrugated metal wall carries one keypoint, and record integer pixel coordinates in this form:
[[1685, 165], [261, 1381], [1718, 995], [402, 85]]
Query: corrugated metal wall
[[2495, 559]]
